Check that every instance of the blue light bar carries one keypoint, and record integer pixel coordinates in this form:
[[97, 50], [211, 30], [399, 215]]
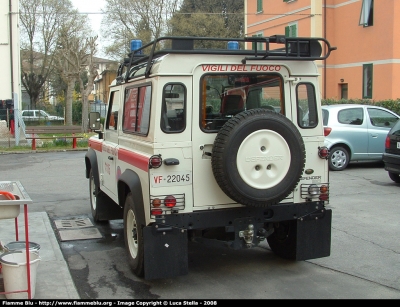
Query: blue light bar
[[233, 45], [135, 45]]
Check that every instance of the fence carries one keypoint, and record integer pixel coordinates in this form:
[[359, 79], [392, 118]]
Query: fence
[[12, 134]]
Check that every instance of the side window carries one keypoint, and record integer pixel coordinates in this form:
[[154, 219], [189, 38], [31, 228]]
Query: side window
[[173, 117], [381, 118], [112, 114], [354, 116], [307, 116], [137, 110]]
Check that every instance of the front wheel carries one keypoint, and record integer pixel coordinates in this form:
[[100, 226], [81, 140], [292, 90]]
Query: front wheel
[[133, 232], [394, 177], [98, 200], [339, 158]]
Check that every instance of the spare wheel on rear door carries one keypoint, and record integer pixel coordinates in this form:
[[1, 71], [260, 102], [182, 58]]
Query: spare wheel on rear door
[[258, 157]]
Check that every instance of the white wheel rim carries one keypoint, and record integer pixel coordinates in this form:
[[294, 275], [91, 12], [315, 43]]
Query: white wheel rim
[[93, 193], [263, 159], [131, 234]]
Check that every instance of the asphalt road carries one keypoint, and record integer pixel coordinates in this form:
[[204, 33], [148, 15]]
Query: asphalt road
[[364, 261]]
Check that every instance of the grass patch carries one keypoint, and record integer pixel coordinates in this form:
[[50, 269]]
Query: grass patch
[[58, 143]]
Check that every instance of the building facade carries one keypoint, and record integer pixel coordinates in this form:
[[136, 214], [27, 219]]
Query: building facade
[[10, 89], [366, 64]]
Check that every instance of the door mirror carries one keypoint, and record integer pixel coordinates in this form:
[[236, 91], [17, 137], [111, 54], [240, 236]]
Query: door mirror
[[94, 120]]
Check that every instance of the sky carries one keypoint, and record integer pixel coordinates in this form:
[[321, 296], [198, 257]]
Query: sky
[[93, 8]]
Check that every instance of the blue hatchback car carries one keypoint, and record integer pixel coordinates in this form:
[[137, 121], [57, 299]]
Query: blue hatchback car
[[355, 133]]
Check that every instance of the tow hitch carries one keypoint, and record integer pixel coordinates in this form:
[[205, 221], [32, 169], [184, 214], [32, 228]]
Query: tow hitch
[[247, 235]]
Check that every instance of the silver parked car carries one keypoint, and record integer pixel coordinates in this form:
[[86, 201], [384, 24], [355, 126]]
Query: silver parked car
[[355, 133], [28, 115]]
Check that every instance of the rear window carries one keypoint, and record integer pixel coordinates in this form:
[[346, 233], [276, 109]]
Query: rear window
[[325, 117], [225, 95], [396, 129]]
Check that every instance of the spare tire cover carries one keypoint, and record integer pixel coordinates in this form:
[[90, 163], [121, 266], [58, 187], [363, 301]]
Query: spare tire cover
[[258, 157]]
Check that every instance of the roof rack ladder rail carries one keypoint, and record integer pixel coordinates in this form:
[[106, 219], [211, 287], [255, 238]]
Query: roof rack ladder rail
[[137, 61], [153, 48]]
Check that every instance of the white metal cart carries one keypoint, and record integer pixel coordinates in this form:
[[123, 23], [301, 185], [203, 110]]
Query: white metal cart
[[12, 196]]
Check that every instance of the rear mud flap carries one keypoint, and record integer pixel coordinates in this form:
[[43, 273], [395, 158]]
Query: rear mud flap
[[165, 252], [314, 236]]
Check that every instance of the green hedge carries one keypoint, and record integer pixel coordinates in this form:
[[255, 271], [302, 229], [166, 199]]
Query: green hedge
[[393, 105]]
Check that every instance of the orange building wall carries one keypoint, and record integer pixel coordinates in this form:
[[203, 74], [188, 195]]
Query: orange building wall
[[356, 45]]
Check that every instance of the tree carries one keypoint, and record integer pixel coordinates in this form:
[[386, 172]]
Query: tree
[[75, 52], [40, 21], [131, 19], [215, 18]]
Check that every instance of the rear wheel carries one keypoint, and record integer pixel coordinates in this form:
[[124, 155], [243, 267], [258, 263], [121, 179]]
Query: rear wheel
[[98, 199], [133, 232], [283, 240], [338, 158], [394, 177]]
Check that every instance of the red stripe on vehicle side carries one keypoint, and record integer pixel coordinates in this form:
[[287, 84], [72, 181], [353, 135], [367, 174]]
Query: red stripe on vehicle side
[[134, 159], [95, 145]]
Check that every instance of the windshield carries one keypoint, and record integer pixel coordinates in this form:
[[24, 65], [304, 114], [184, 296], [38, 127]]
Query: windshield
[[43, 114]]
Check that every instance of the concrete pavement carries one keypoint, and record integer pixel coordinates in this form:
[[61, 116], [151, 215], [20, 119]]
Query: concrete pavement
[[53, 279]]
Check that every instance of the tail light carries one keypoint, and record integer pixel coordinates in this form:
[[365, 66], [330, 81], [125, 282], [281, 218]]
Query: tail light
[[324, 193], [387, 142], [166, 204], [323, 152], [315, 191], [155, 161], [327, 131], [170, 201]]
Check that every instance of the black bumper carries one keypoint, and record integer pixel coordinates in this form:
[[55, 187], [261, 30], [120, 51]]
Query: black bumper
[[226, 217], [392, 163]]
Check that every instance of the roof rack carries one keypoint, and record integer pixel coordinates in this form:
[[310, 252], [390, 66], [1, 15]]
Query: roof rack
[[294, 49]]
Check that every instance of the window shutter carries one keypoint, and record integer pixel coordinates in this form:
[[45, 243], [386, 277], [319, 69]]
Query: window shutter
[[259, 6]]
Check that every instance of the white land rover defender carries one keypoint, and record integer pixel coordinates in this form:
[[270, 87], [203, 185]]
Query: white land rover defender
[[209, 142]]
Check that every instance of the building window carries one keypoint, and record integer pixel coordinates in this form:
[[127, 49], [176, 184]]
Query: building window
[[259, 44], [367, 81], [367, 13], [344, 91], [291, 30], [259, 6]]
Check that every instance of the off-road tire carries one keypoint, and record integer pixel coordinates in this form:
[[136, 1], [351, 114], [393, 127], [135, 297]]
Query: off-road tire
[[133, 236], [283, 240], [98, 200], [258, 157]]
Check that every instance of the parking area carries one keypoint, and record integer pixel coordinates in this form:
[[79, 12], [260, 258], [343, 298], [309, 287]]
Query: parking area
[[364, 262]]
